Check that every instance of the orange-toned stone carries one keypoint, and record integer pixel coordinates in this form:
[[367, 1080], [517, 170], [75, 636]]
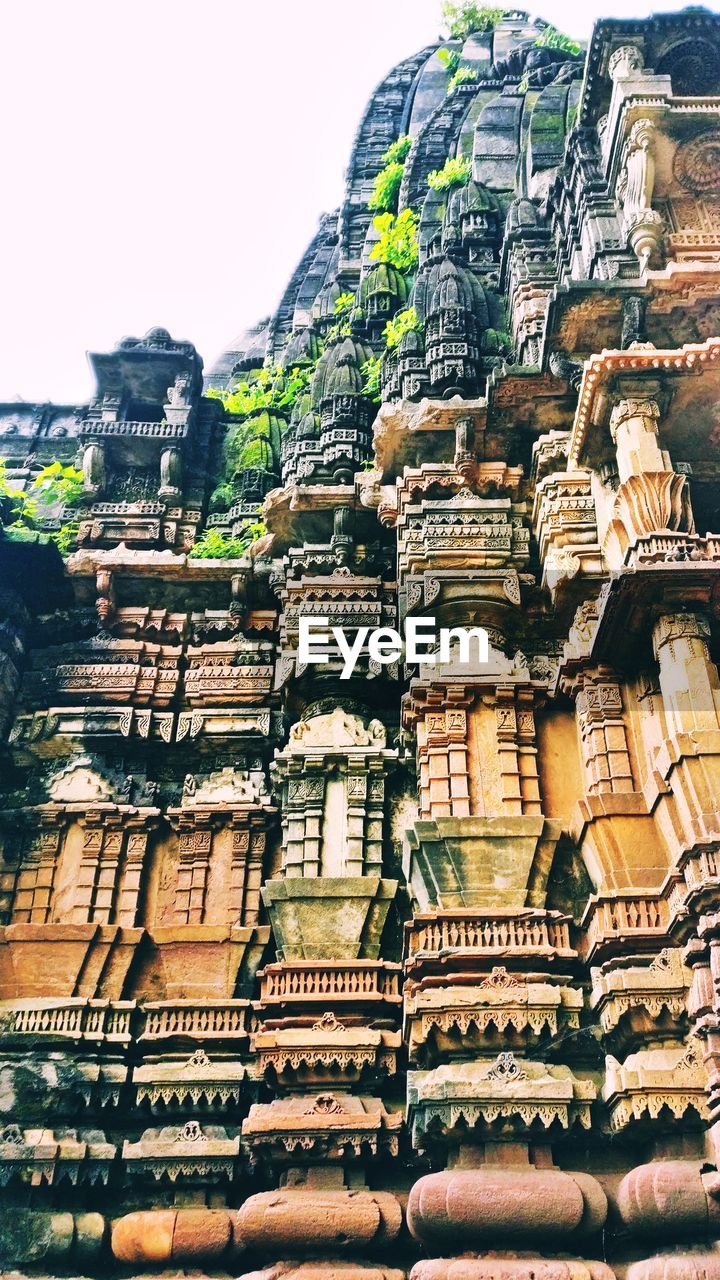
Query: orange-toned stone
[[677, 1266], [330, 1269], [493, 1267], [201, 1234], [144, 1237], [178, 1235], [492, 1205], [668, 1198], [304, 1220]]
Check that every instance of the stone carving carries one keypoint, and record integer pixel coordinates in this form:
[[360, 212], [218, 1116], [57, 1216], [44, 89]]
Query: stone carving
[[696, 164], [493, 887]]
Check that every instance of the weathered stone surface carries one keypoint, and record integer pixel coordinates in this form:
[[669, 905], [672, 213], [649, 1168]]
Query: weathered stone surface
[[503, 1267], [318, 1221], [29, 1237], [676, 1265], [162, 1236], [504, 1206], [482, 877], [670, 1198]]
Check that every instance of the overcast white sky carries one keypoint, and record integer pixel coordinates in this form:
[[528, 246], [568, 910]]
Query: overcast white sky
[[165, 161]]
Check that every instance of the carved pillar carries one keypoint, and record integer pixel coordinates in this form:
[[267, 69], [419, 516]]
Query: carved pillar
[[356, 788], [443, 764], [35, 881], [93, 465], [634, 189], [375, 816], [603, 735], [634, 429], [94, 893], [248, 848], [194, 846], [652, 498], [128, 897], [170, 472], [688, 678], [517, 751]]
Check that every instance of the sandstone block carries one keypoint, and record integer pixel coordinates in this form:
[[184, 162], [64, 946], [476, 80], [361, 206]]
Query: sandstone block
[[304, 1220], [493, 1267], [177, 1235], [490, 1206], [670, 1199]]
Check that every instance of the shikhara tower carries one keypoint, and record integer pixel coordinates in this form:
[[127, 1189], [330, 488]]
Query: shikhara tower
[[419, 972]]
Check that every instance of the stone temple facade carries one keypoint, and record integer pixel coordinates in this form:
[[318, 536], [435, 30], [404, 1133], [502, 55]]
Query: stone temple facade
[[415, 973]]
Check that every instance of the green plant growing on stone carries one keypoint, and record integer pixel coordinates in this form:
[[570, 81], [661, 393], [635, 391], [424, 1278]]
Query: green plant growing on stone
[[398, 150], [215, 544], [269, 388], [450, 59], [386, 187], [456, 171], [463, 18], [398, 240], [551, 38], [344, 304], [222, 496], [406, 321], [337, 332], [370, 371], [65, 537], [463, 75], [56, 485]]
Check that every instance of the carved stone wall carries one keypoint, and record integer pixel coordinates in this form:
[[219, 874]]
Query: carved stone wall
[[409, 971]]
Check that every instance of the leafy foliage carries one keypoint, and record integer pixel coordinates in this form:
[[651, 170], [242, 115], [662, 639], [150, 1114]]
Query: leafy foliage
[[338, 331], [56, 485], [462, 18], [386, 187], [59, 484], [65, 537], [404, 322], [215, 544], [398, 243], [270, 388], [371, 378], [222, 496], [397, 151], [455, 172], [551, 38], [450, 59], [463, 75], [344, 304]]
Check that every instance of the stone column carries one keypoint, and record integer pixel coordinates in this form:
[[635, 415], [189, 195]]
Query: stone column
[[194, 847], [634, 429], [128, 897], [653, 499], [93, 466], [688, 678], [170, 473], [35, 882], [248, 848], [517, 751], [94, 894], [443, 764], [603, 736]]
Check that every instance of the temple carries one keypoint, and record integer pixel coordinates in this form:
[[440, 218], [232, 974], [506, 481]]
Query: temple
[[412, 976]]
